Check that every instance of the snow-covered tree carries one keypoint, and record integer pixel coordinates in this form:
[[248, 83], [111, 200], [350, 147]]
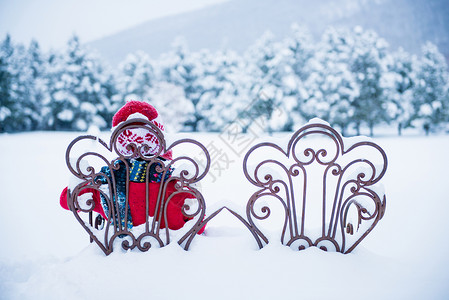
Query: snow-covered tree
[[267, 66], [171, 103], [399, 82], [185, 69], [300, 48], [331, 87], [136, 76], [22, 86], [430, 95], [368, 66], [6, 78], [37, 85], [225, 85], [81, 89]]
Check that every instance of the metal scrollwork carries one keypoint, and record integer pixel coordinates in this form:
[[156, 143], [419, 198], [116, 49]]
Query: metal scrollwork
[[93, 179], [348, 204], [330, 181]]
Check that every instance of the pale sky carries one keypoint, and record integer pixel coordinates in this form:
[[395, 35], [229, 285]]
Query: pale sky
[[52, 22]]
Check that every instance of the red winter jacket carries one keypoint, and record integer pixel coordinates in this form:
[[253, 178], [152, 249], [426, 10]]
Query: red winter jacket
[[137, 192]]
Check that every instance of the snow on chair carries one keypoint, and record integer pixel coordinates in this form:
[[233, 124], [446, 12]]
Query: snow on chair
[[136, 216], [327, 187]]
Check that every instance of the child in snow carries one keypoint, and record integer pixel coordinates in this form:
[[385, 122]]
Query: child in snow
[[137, 174]]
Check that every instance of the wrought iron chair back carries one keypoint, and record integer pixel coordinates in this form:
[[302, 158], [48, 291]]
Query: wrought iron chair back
[[117, 226], [328, 187]]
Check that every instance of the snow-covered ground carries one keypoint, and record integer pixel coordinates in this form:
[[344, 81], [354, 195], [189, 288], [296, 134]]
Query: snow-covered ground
[[45, 254]]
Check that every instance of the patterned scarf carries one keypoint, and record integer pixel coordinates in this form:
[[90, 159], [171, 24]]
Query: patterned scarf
[[137, 170]]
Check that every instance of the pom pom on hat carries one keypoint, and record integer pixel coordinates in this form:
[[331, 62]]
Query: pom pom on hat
[[145, 110]]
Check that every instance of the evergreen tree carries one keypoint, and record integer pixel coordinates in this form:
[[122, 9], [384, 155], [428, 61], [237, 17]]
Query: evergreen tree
[[265, 65], [368, 66], [6, 78], [300, 51], [18, 89], [172, 105], [431, 97], [185, 69], [136, 76], [399, 82], [225, 96], [35, 87], [22, 88], [81, 89], [331, 87], [296, 65]]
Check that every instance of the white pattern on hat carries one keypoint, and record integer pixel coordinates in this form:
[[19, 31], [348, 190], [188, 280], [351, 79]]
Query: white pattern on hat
[[140, 136]]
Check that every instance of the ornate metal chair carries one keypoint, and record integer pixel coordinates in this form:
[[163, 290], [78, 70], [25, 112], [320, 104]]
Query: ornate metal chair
[[327, 185], [91, 178]]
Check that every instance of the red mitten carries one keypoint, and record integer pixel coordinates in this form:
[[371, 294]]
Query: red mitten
[[95, 195], [175, 217]]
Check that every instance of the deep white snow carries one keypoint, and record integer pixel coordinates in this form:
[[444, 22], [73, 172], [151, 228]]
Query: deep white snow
[[45, 254]]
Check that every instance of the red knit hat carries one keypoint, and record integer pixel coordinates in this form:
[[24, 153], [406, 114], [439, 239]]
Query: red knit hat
[[132, 107], [147, 111]]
